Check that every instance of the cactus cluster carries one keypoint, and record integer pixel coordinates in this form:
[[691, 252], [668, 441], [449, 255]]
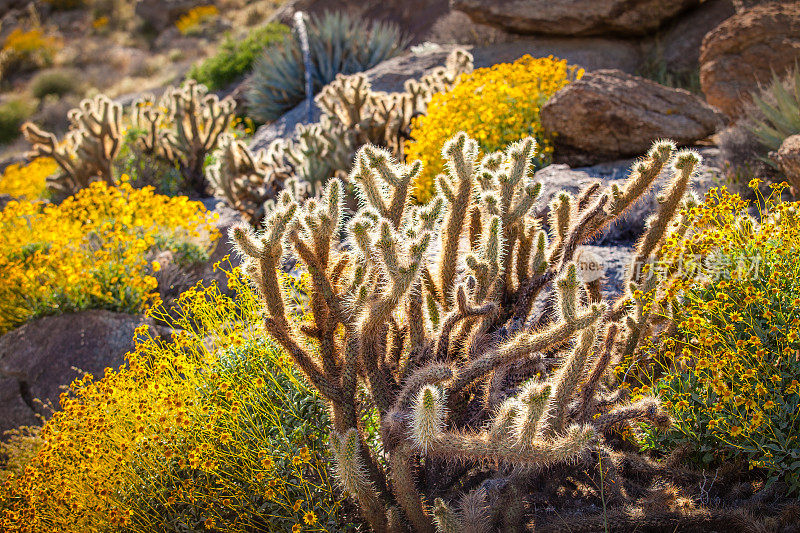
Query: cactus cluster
[[466, 321], [352, 115], [87, 150], [181, 128]]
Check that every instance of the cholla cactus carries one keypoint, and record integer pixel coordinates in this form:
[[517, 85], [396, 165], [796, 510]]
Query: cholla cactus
[[430, 308], [88, 149], [247, 180], [198, 120]]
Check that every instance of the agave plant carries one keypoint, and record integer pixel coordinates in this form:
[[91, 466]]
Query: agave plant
[[338, 43]]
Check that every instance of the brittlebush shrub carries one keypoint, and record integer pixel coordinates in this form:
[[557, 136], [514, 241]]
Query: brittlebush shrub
[[731, 368], [495, 106], [26, 50], [192, 22], [28, 181], [92, 250], [210, 430]]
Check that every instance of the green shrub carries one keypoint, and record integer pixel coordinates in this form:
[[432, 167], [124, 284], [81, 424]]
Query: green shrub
[[12, 114], [236, 58], [729, 371], [338, 44], [212, 429], [779, 106], [54, 82]]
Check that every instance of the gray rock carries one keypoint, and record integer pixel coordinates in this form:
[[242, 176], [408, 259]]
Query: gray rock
[[37, 359], [161, 14], [559, 177], [575, 17], [608, 114]]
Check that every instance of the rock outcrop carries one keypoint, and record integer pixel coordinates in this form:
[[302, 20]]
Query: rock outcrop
[[745, 50], [577, 17], [608, 114], [38, 358]]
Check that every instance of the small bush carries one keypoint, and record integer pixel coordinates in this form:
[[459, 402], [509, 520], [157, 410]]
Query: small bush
[[54, 82], [779, 104], [773, 116], [91, 251], [212, 430], [27, 50], [192, 22], [495, 106], [731, 368], [337, 43], [28, 181], [12, 114], [236, 58]]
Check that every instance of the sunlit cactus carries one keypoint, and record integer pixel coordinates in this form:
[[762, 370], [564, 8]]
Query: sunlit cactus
[[88, 149], [466, 321]]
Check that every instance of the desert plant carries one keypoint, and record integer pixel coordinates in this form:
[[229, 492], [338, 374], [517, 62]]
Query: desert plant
[[728, 370], [27, 181], [54, 82], [247, 180], [26, 50], [352, 115], [461, 367], [750, 146], [235, 58], [13, 112], [86, 152], [197, 120], [192, 22], [338, 44], [211, 429], [779, 104], [495, 105], [92, 251]]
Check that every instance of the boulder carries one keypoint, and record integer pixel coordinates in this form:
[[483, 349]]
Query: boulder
[[679, 45], [576, 17], [746, 50], [608, 114], [788, 159], [37, 359], [161, 14], [415, 18]]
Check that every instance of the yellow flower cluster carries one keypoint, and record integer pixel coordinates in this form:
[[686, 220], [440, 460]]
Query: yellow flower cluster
[[495, 106], [212, 430], [27, 181], [731, 369], [195, 18], [28, 49], [91, 251]]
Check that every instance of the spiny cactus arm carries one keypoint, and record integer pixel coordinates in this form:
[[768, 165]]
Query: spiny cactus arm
[[566, 381], [462, 312], [430, 438], [642, 177], [351, 473], [404, 487], [460, 152], [44, 143], [447, 520], [533, 400], [647, 408], [685, 163], [525, 345], [578, 233], [585, 403]]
